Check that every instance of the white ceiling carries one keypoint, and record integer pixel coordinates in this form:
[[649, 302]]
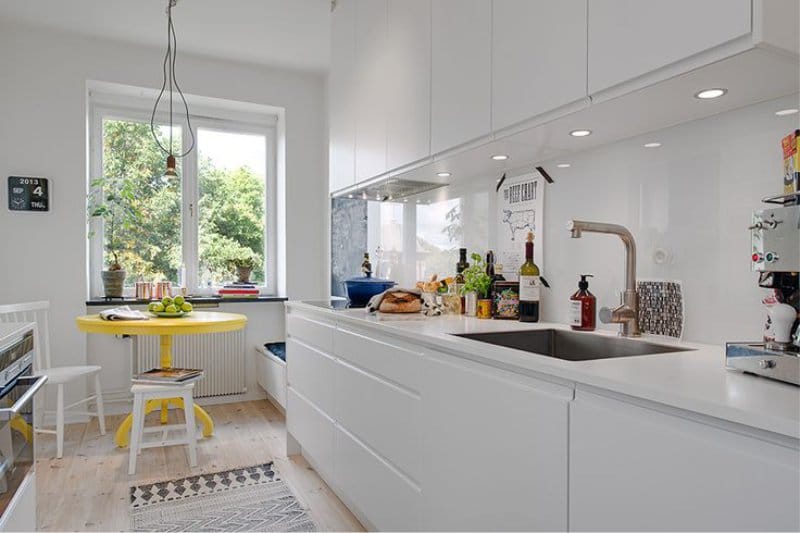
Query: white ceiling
[[284, 33]]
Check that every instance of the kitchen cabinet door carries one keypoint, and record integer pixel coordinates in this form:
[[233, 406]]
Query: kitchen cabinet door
[[408, 87], [634, 468], [629, 38], [370, 88], [341, 104], [461, 41], [495, 449], [538, 57]]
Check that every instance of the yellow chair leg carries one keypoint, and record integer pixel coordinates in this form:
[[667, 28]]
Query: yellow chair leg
[[205, 418]]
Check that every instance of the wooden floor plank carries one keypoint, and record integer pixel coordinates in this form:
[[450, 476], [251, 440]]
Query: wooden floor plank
[[87, 490]]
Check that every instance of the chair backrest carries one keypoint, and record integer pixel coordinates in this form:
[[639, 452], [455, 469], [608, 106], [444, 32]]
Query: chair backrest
[[32, 312]]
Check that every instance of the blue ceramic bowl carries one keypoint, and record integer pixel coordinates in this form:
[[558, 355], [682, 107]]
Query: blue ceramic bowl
[[360, 290]]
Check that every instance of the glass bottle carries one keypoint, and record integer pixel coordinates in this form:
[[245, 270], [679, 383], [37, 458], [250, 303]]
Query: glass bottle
[[529, 285]]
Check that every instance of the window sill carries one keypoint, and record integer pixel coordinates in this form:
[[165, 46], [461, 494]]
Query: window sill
[[192, 299]]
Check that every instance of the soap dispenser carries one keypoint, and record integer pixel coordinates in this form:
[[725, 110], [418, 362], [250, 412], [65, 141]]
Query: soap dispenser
[[582, 307]]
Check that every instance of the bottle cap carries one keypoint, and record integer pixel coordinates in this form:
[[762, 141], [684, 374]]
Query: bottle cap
[[530, 236]]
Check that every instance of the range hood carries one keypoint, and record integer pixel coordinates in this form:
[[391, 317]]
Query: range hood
[[389, 188]]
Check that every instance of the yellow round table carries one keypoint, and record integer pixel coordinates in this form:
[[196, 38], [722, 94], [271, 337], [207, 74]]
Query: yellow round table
[[194, 323]]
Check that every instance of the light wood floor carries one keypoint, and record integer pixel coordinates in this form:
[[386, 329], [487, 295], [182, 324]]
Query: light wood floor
[[87, 490]]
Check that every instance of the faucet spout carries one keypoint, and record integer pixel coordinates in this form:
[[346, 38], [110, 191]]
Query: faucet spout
[[626, 314]]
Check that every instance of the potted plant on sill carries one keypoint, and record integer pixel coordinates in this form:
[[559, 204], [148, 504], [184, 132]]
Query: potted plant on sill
[[113, 200], [242, 262], [476, 288]]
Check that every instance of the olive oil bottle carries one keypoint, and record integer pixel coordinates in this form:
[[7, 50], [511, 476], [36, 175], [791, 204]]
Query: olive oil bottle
[[529, 285]]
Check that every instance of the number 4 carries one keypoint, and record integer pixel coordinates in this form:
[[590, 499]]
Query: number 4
[[38, 191]]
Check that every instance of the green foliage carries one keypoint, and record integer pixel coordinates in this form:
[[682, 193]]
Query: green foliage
[[114, 201], [475, 277]]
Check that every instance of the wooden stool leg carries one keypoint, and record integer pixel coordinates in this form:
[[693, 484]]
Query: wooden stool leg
[[136, 432], [98, 401], [188, 411], [60, 422]]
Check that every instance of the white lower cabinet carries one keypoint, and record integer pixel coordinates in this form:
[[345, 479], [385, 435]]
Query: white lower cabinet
[[636, 468], [495, 449], [313, 429]]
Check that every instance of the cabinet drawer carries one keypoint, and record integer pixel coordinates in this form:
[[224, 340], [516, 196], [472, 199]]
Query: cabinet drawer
[[310, 372], [312, 332], [384, 416], [376, 491], [313, 429], [388, 361]]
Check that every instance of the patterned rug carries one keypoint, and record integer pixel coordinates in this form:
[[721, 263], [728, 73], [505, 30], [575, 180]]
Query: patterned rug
[[244, 499]]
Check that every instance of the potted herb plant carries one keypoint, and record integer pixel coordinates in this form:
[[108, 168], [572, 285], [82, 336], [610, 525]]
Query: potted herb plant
[[242, 262], [113, 200], [476, 288]]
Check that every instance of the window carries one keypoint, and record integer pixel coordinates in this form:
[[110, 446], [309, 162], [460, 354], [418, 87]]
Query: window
[[192, 227], [439, 235]]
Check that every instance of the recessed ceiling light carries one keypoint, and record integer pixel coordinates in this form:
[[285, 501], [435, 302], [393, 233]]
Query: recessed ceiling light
[[499, 157], [580, 133], [652, 145], [443, 174], [784, 112], [563, 165], [707, 94], [349, 195]]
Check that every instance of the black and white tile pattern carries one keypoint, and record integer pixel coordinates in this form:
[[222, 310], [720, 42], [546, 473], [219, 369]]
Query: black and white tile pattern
[[661, 308]]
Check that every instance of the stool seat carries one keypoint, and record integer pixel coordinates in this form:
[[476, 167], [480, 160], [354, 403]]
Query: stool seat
[[164, 393]]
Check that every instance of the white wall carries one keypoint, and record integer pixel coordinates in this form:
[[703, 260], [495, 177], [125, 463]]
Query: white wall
[[692, 197], [43, 133]]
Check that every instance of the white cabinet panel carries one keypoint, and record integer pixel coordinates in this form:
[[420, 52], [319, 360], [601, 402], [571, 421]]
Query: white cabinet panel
[[312, 332], [628, 38], [633, 468], [408, 91], [313, 429], [538, 57], [371, 67], [383, 357], [377, 491], [495, 449], [309, 372], [341, 103], [461, 82]]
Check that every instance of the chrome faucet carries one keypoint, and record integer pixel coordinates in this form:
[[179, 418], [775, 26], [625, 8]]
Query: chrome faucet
[[627, 314]]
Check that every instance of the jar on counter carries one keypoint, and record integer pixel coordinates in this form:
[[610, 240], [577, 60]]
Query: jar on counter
[[505, 300]]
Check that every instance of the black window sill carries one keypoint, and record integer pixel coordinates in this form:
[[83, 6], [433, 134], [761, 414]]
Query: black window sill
[[192, 299]]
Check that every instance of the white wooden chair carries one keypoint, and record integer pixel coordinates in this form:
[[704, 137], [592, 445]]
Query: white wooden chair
[[58, 376]]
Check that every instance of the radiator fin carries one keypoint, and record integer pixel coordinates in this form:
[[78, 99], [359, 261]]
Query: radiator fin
[[220, 355]]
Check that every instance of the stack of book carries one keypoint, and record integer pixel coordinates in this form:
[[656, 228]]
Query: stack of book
[[239, 290], [163, 376]]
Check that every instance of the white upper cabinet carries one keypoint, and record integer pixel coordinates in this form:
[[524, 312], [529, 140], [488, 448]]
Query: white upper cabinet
[[408, 89], [372, 64], [461, 72], [629, 38], [538, 57], [341, 147]]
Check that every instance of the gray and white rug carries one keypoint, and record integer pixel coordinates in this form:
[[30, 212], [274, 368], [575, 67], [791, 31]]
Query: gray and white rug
[[254, 498]]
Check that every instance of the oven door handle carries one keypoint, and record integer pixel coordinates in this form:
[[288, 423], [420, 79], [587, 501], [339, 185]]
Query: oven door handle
[[9, 412]]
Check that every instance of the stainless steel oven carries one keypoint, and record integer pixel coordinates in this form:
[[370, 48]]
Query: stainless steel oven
[[18, 387]]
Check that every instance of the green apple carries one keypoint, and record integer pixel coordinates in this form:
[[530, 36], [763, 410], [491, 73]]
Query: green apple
[[171, 309], [186, 307], [158, 308], [179, 301], [166, 301], [152, 306]]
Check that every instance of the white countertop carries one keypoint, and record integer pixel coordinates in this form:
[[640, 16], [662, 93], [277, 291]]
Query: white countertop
[[694, 380]]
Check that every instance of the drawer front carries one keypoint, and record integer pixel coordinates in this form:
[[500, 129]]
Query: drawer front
[[377, 493], [389, 361], [384, 416], [310, 372], [272, 377], [312, 332], [313, 430]]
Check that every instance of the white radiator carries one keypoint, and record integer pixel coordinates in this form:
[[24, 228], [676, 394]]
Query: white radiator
[[220, 355]]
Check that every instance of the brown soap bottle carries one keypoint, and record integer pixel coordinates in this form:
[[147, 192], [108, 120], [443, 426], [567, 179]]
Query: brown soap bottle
[[582, 307]]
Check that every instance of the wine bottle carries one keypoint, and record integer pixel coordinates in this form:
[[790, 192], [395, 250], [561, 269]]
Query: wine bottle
[[460, 267], [366, 266], [529, 285]]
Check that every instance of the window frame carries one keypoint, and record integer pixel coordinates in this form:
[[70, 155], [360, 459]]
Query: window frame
[[109, 107]]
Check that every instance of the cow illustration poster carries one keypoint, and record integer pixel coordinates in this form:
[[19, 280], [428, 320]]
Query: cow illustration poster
[[520, 209]]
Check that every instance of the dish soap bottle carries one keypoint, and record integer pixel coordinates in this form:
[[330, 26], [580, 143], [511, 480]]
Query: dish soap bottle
[[582, 306]]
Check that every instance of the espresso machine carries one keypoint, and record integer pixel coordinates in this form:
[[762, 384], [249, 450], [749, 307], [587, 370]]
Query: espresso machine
[[775, 234]]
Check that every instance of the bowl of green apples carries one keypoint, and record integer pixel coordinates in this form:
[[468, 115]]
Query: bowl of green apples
[[170, 307]]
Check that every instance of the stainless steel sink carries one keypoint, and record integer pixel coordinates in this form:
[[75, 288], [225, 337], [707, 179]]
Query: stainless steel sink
[[570, 345]]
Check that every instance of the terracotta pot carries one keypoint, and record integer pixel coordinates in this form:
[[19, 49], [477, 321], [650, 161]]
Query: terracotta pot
[[244, 274], [484, 308], [113, 282]]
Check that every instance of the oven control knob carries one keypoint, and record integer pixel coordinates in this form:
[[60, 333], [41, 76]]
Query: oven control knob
[[771, 257], [757, 257], [766, 363]]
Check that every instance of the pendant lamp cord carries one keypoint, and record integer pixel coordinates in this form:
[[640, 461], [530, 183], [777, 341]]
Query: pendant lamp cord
[[168, 68]]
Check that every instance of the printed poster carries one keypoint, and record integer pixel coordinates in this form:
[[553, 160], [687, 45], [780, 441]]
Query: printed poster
[[520, 209]]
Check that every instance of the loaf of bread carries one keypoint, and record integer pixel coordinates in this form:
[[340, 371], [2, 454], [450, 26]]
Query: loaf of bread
[[400, 302]]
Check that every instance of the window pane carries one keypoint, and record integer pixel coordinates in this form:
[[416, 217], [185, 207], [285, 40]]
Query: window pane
[[385, 233], [150, 249], [439, 235], [232, 205]]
